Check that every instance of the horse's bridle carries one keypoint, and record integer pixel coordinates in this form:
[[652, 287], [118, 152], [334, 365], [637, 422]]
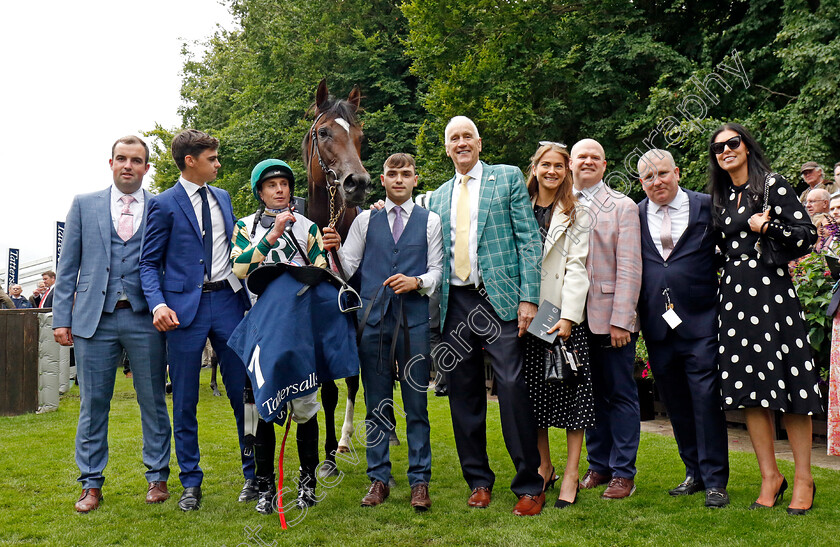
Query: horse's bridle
[[332, 185]]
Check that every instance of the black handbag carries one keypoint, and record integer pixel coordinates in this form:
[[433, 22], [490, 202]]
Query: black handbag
[[770, 251], [835, 301], [561, 364]]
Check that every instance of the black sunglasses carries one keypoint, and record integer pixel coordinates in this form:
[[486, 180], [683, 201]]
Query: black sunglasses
[[733, 143]]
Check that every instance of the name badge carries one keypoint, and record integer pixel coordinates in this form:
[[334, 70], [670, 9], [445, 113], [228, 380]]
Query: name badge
[[672, 318]]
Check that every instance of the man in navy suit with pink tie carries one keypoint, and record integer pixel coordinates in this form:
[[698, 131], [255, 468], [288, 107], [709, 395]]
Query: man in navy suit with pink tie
[[192, 292], [678, 313]]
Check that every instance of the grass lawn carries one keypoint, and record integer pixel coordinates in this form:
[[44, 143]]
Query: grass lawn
[[39, 489]]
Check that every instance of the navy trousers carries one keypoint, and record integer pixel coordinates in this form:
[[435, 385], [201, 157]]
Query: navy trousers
[[686, 374], [218, 314], [471, 324], [612, 445], [378, 381]]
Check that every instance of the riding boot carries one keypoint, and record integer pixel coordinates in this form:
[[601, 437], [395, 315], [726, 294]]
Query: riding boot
[[307, 443], [264, 446], [266, 501]]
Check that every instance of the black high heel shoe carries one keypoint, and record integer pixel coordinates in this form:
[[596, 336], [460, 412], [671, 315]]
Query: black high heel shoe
[[562, 504], [779, 495], [791, 511], [550, 482]]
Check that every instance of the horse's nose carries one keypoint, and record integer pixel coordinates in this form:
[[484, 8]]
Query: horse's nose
[[356, 182]]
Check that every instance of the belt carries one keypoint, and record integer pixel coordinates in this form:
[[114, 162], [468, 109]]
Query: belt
[[122, 304], [213, 286]]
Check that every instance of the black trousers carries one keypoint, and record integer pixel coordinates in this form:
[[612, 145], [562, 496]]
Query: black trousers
[[471, 324]]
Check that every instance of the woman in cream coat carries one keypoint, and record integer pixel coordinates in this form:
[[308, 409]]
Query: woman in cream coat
[[565, 283]]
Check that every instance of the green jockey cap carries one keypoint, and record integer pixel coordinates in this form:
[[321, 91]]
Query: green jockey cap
[[270, 168]]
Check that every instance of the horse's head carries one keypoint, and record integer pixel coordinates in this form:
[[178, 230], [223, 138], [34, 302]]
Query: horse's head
[[333, 145]]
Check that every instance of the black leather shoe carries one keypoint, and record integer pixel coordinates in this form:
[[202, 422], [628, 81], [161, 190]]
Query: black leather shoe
[[717, 497], [251, 491], [687, 487], [190, 499]]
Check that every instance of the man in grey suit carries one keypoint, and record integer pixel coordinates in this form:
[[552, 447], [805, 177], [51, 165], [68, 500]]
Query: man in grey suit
[[99, 306]]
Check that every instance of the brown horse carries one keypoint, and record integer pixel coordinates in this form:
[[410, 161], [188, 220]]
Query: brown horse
[[338, 183]]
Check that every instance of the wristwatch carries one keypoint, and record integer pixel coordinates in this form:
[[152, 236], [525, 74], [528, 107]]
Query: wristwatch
[[419, 283]]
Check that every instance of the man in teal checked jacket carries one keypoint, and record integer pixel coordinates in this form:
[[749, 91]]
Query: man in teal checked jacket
[[490, 290]]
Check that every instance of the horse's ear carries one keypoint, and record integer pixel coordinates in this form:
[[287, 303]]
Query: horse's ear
[[355, 97], [323, 94]]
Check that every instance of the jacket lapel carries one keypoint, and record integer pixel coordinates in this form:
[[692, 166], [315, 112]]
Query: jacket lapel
[[103, 212], [647, 239], [693, 213], [147, 196], [183, 200], [556, 228], [445, 215], [485, 196]]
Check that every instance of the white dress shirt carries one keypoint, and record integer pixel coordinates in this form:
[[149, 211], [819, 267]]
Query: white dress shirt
[[353, 250], [474, 187], [596, 194], [220, 268], [679, 218], [136, 207]]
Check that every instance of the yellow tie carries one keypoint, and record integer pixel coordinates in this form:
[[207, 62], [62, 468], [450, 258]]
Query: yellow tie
[[462, 232]]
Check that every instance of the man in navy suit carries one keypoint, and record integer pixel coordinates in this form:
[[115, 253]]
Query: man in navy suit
[[99, 306], [678, 312], [193, 294]]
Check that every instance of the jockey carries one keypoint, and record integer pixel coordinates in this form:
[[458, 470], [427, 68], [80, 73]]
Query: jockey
[[266, 238]]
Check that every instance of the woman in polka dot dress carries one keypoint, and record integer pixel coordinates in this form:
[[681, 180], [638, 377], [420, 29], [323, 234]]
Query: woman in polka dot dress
[[765, 359], [564, 283]]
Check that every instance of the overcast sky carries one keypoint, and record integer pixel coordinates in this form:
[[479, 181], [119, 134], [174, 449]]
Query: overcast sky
[[76, 76]]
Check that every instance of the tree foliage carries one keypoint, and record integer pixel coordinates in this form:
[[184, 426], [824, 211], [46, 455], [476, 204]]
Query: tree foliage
[[525, 71]]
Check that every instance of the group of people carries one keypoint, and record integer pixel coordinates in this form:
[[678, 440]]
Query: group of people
[[42, 296], [158, 275]]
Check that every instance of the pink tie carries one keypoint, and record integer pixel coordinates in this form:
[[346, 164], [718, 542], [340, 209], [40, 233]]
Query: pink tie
[[125, 227], [665, 233]]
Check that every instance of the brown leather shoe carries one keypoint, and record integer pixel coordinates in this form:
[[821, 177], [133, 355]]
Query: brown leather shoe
[[529, 505], [377, 493], [591, 479], [420, 499], [89, 500], [480, 498], [158, 493], [619, 488]]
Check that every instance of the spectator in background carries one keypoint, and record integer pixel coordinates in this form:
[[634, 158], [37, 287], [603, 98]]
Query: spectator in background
[[837, 175], [6, 302], [826, 231], [812, 174], [817, 202], [19, 301], [834, 207], [37, 294], [49, 282]]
